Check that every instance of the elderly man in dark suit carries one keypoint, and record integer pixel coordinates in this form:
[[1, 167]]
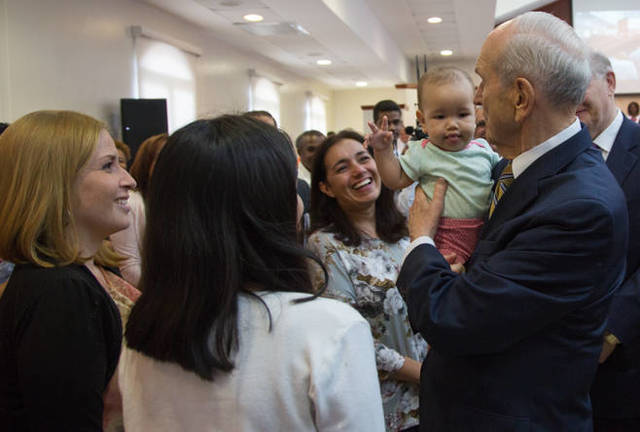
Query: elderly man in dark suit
[[616, 390], [515, 339]]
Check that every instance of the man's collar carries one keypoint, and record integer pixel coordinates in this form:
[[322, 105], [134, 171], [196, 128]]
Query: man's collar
[[607, 137], [524, 160]]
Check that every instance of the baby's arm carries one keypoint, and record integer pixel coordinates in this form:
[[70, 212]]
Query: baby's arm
[[388, 165]]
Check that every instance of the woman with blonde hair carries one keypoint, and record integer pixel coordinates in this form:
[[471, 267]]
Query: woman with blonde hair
[[63, 193]]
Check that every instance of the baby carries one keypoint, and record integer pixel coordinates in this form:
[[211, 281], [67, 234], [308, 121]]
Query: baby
[[446, 113]]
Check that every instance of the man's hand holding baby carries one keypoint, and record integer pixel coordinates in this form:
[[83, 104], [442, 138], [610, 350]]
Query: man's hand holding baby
[[424, 217]]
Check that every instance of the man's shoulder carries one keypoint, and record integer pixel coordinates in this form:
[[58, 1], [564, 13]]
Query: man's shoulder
[[629, 135], [587, 176], [565, 175]]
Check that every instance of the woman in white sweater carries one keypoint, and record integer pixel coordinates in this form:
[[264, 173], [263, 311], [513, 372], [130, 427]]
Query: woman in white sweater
[[228, 335]]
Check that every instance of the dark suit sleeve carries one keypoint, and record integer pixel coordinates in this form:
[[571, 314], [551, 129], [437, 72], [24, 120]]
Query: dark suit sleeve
[[624, 315], [62, 356], [559, 260]]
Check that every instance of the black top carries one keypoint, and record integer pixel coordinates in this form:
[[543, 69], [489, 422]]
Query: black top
[[304, 192], [60, 337]]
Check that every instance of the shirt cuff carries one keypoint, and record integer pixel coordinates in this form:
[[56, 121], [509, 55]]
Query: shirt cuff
[[417, 242]]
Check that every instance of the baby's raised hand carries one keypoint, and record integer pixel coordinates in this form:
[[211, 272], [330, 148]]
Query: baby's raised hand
[[380, 138]]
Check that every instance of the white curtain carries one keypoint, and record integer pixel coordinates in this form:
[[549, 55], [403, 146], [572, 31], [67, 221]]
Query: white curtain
[[265, 96], [167, 72], [316, 117]]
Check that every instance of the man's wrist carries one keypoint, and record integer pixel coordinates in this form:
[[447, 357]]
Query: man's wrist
[[418, 242]]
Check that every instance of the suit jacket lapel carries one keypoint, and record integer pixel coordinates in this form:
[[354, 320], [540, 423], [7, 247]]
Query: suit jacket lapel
[[622, 159], [524, 189]]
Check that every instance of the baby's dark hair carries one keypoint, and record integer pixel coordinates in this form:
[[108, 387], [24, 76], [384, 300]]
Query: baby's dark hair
[[441, 75]]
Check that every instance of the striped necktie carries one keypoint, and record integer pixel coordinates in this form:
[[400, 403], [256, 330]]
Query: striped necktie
[[504, 181]]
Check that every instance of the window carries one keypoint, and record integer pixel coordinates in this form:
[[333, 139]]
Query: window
[[316, 114], [167, 72], [264, 96]]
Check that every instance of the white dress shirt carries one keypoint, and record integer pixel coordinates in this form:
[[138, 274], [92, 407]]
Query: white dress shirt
[[605, 140], [304, 173]]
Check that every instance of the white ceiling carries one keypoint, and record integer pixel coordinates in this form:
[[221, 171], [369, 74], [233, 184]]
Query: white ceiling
[[507, 9], [367, 40]]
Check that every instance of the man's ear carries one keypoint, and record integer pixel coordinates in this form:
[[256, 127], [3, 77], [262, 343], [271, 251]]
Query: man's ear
[[610, 77], [524, 95], [326, 189]]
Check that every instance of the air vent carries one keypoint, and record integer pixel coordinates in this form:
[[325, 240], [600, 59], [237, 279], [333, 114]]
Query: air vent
[[272, 29]]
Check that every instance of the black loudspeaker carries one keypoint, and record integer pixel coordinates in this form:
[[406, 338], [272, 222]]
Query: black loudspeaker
[[142, 118]]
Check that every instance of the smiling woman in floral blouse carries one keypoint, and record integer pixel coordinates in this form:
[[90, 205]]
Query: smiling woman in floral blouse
[[360, 236]]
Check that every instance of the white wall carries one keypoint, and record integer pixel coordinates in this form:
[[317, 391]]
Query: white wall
[[622, 101], [78, 55], [293, 105], [347, 111], [467, 65]]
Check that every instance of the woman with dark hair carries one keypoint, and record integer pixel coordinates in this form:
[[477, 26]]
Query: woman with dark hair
[[360, 236], [228, 334], [632, 109], [145, 160], [124, 154]]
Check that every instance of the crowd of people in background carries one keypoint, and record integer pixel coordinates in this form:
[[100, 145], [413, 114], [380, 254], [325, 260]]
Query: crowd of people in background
[[480, 274]]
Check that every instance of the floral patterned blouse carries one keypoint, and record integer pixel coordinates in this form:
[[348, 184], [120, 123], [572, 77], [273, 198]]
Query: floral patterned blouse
[[364, 276], [124, 295]]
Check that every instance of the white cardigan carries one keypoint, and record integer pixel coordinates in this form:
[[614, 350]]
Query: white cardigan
[[315, 371]]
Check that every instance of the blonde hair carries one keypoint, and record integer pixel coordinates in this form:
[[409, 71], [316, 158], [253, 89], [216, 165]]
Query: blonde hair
[[40, 156]]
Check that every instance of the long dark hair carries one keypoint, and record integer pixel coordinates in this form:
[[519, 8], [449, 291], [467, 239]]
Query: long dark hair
[[221, 220], [327, 214]]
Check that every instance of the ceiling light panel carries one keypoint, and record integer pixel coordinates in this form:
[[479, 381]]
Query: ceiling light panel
[[253, 17], [445, 25], [233, 15]]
